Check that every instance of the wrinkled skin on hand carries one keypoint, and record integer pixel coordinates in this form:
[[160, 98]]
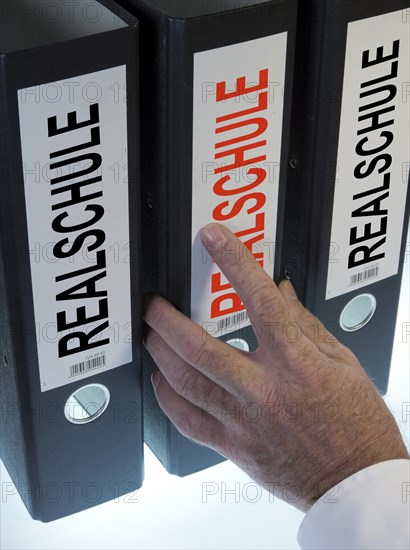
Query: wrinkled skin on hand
[[299, 415]]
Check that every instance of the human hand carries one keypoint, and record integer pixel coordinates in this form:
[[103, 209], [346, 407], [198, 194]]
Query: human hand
[[298, 415]]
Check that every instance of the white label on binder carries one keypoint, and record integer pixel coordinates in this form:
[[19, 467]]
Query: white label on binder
[[373, 155], [237, 133], [74, 149]]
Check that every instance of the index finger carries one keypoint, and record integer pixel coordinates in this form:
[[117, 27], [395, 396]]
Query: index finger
[[266, 307], [223, 364]]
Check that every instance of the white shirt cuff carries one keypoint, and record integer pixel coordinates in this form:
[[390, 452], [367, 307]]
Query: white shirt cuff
[[368, 510]]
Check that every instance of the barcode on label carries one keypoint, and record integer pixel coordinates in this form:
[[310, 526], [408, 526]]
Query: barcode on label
[[86, 366], [364, 275], [229, 322]]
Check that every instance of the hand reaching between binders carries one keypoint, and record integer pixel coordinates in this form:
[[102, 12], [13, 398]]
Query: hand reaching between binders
[[299, 415]]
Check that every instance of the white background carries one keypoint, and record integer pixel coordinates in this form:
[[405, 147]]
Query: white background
[[169, 513]]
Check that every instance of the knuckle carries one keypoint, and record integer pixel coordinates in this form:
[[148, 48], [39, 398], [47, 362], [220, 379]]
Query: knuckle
[[185, 385], [200, 355], [303, 358], [268, 393], [261, 297], [347, 357], [185, 426], [306, 318]]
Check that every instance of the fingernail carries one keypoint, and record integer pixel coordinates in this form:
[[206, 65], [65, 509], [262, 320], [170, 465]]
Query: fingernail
[[290, 290], [212, 236], [155, 379]]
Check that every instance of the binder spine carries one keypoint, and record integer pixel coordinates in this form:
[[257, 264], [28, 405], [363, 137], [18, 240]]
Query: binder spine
[[165, 212], [320, 177], [10, 423], [296, 254], [64, 458], [15, 433], [173, 34], [153, 36], [12, 435], [178, 176]]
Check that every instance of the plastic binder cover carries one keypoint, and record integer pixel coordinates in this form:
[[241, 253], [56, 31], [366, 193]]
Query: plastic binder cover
[[215, 97], [71, 433], [348, 206]]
